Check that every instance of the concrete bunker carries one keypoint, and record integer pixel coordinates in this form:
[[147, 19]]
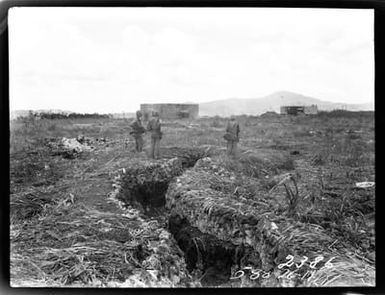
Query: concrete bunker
[[170, 111], [299, 109]]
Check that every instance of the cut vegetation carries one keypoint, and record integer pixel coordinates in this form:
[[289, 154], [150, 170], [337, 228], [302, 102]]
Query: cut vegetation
[[85, 210]]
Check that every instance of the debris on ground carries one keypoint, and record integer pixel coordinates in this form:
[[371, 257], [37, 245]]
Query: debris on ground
[[365, 184], [71, 148], [270, 217]]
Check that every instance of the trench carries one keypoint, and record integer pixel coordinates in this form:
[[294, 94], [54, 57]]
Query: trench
[[208, 259], [205, 254], [151, 199]]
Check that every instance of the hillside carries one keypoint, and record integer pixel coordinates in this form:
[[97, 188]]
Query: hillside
[[272, 102]]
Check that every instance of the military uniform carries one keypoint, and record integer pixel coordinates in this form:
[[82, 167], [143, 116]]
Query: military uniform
[[154, 127], [232, 131], [137, 131]]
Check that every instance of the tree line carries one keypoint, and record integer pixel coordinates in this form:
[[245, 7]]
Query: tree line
[[56, 116]]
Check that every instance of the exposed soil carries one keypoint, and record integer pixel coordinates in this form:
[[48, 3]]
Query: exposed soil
[[70, 226]]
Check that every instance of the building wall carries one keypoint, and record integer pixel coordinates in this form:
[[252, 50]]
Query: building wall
[[171, 111], [292, 110], [308, 110]]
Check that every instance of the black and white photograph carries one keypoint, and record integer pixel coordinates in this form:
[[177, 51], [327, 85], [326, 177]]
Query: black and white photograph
[[191, 147]]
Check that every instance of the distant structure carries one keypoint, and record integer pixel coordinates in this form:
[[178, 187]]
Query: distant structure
[[170, 110], [296, 110]]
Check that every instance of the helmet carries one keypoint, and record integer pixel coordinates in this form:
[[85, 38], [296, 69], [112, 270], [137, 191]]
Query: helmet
[[138, 114]]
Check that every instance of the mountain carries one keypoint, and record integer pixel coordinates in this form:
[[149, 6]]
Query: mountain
[[272, 102]]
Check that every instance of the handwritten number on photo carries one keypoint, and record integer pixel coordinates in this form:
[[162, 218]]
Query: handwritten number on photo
[[314, 263], [255, 274], [303, 277], [312, 274], [240, 273], [302, 262], [289, 274], [288, 263], [266, 275], [284, 274], [328, 264]]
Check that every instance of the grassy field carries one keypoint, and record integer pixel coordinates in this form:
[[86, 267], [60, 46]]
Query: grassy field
[[67, 231]]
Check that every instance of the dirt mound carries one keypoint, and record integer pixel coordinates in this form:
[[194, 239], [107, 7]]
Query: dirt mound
[[256, 163], [144, 183], [216, 212], [188, 155], [201, 198]]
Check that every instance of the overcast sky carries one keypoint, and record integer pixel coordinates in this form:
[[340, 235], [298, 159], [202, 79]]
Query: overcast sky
[[113, 59]]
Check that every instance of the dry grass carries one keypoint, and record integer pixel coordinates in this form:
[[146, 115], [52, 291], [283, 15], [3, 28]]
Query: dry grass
[[93, 248], [210, 206], [57, 240]]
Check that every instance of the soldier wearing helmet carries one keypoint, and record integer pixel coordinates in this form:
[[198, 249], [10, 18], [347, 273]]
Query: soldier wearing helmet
[[137, 130], [232, 136], [156, 135]]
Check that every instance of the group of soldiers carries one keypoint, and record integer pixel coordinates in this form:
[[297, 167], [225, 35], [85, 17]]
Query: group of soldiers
[[154, 127]]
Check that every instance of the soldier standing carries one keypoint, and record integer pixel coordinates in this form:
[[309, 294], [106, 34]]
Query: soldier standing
[[156, 135], [137, 131], [232, 136]]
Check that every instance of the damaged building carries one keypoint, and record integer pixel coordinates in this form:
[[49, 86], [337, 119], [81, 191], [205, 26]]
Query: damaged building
[[170, 111], [297, 110]]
